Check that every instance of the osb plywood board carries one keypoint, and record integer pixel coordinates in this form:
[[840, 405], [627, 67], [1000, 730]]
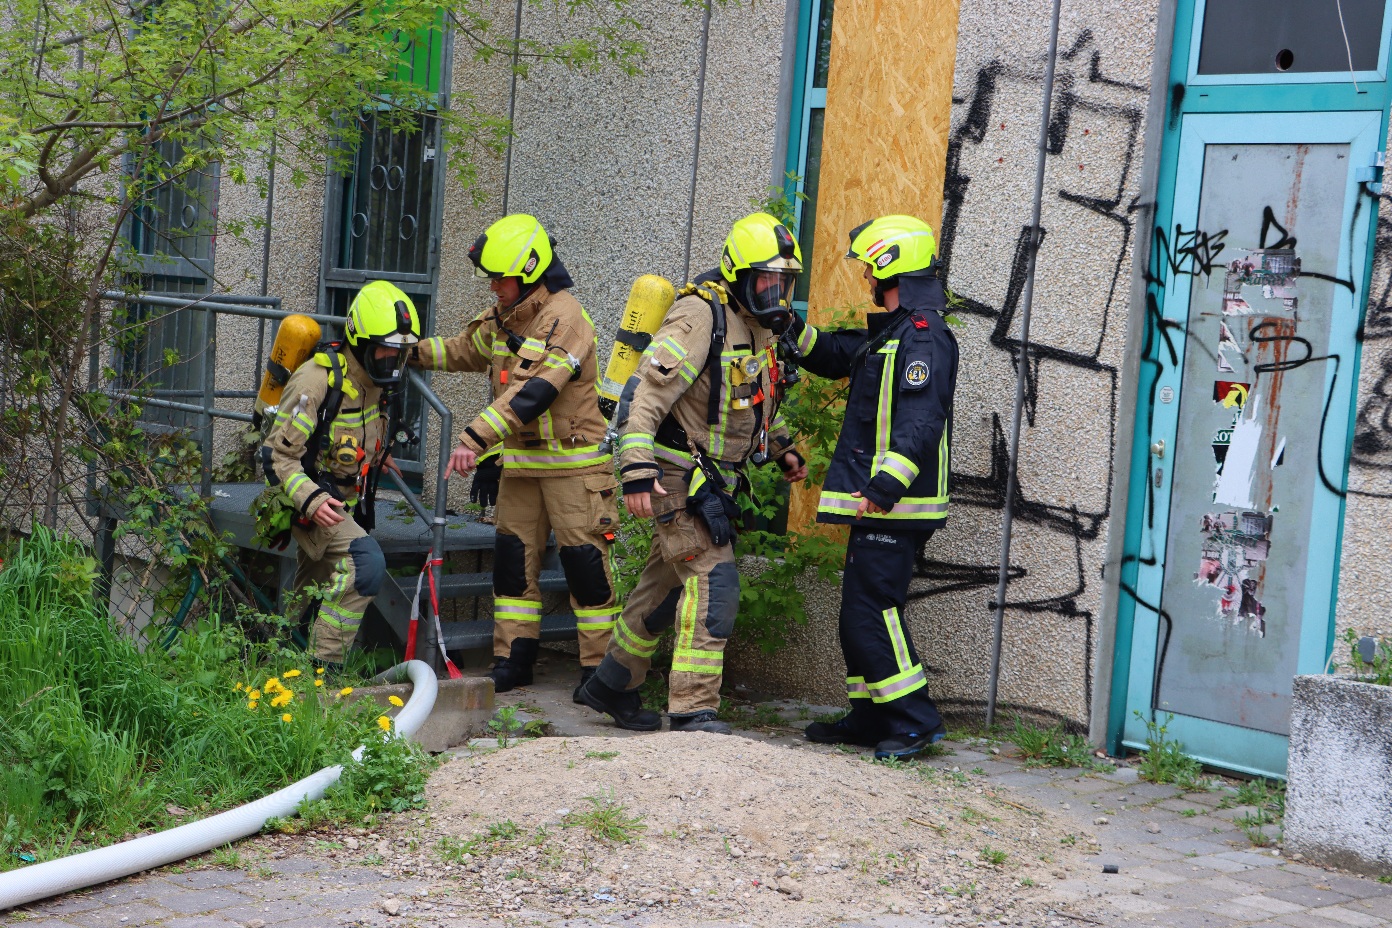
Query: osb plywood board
[[884, 147]]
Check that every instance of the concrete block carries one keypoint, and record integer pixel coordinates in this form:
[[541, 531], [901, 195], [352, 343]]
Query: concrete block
[[461, 711], [1339, 797]]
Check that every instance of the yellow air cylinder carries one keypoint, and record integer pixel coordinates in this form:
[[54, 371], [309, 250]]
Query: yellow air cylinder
[[648, 301], [294, 343]]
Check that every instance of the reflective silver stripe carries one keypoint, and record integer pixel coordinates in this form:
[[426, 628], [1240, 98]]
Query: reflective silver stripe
[[885, 410], [897, 468], [896, 638], [525, 249], [843, 502], [885, 692], [521, 459], [671, 456], [894, 690]]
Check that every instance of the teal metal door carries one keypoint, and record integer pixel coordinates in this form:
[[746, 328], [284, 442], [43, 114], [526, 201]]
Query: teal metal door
[[1257, 281]]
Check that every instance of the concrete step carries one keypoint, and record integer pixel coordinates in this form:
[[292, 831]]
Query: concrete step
[[460, 585], [461, 636]]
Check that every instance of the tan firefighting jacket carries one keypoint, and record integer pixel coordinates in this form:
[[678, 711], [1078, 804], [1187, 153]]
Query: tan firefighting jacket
[[543, 365], [675, 381], [361, 423]]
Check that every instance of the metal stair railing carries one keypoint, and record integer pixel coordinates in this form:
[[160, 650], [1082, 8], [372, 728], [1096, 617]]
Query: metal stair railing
[[267, 309]]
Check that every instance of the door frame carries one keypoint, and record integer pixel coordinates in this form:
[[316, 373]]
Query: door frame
[[1173, 97]]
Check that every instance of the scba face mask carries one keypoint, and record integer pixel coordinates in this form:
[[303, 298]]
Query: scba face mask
[[767, 295], [385, 371]]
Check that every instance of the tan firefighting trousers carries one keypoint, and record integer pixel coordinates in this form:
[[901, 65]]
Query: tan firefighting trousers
[[687, 582], [582, 511], [347, 565]]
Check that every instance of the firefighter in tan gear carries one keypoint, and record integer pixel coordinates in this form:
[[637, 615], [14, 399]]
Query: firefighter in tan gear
[[703, 402], [326, 447], [538, 346]]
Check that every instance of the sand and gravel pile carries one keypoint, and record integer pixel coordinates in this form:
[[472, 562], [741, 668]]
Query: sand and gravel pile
[[677, 829]]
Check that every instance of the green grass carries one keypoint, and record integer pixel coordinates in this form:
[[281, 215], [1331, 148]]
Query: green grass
[[993, 856], [1268, 800], [497, 837], [607, 820], [1052, 747], [98, 737]]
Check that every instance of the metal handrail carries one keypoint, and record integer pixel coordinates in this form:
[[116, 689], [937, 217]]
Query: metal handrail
[[268, 309]]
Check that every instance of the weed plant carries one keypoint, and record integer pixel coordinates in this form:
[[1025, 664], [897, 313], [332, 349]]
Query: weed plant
[[1376, 670], [607, 820], [100, 736], [1165, 761], [1052, 747], [1268, 801]]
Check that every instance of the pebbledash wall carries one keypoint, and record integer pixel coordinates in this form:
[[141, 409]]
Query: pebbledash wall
[[636, 175], [1057, 608]]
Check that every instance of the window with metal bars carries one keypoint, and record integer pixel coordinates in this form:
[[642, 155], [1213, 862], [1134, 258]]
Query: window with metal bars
[[381, 215], [171, 235]]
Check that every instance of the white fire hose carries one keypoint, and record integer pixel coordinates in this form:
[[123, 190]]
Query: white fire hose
[[54, 877]]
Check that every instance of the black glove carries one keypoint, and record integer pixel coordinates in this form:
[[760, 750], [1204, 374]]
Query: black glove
[[795, 327], [715, 510], [484, 489], [780, 457]]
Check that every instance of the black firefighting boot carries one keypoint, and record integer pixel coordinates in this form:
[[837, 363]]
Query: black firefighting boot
[[585, 674], [909, 743], [516, 669], [626, 708], [841, 731], [700, 721]]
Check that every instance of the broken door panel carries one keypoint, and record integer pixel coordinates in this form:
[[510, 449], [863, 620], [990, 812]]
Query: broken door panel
[[1250, 428], [1240, 513]]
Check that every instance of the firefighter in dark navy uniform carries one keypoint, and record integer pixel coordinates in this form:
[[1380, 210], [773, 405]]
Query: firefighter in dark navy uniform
[[888, 478]]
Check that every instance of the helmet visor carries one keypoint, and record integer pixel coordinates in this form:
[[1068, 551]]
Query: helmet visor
[[768, 296], [386, 358]]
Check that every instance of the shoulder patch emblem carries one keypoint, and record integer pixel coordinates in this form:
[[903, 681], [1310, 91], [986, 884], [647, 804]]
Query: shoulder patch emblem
[[916, 374]]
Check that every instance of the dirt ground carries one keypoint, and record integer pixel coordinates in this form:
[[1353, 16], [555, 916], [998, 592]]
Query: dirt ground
[[702, 827]]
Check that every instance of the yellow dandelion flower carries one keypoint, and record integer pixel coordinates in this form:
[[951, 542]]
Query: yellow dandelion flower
[[319, 672], [318, 682], [282, 699], [395, 701], [272, 685], [238, 687], [287, 717], [346, 691], [252, 704], [290, 674], [384, 723], [253, 695]]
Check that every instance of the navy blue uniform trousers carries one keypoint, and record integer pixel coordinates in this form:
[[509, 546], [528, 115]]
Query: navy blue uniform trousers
[[885, 680]]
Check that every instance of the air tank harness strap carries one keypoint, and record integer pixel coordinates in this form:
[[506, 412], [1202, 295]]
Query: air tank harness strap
[[716, 298], [428, 572]]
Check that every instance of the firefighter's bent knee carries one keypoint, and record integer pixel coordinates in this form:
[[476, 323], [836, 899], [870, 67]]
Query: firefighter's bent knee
[[509, 565], [584, 573], [369, 566], [724, 588]]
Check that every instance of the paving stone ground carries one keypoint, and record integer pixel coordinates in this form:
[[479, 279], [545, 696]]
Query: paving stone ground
[[1180, 862]]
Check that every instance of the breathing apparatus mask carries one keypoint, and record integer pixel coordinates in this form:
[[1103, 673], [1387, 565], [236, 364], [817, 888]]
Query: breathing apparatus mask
[[767, 295]]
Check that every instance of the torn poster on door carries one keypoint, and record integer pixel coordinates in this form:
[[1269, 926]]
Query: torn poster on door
[[1233, 486], [1226, 343], [1275, 270], [1235, 544]]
